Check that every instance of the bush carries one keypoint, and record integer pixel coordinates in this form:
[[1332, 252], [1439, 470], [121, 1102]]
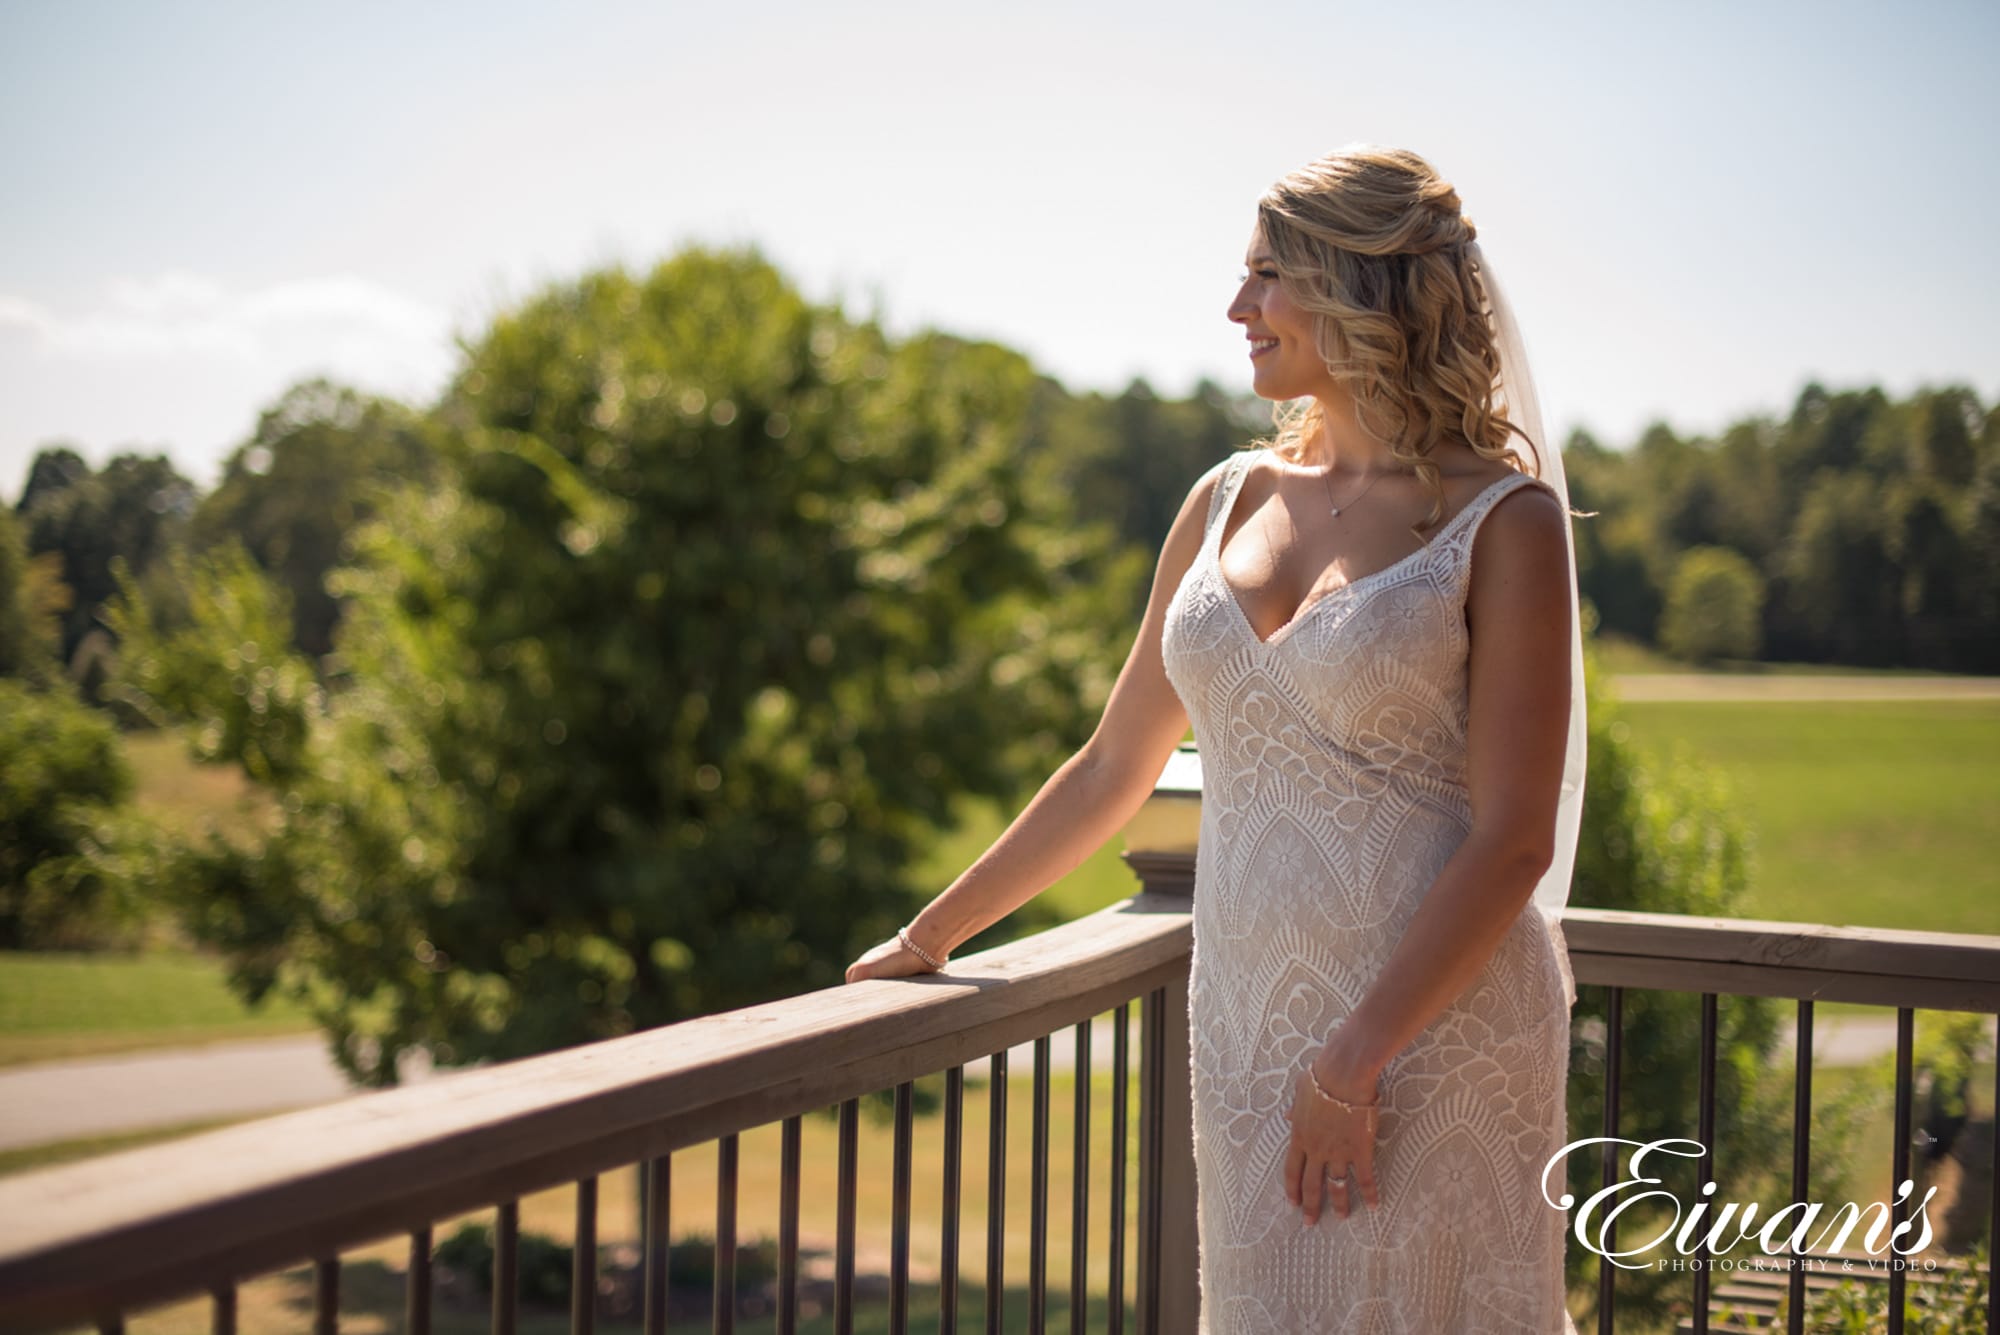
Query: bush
[[547, 1266], [1954, 1305], [1714, 607], [61, 784]]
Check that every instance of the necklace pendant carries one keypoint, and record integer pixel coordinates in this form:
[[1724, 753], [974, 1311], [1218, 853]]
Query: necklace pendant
[[1336, 512]]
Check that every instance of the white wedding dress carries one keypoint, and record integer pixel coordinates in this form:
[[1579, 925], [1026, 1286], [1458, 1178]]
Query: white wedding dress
[[1333, 792]]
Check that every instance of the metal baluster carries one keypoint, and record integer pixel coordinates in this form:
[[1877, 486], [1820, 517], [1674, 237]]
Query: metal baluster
[[725, 1235], [996, 1194], [1119, 1059], [417, 1289], [1152, 1137], [843, 1247], [1795, 1286], [954, 1153], [1900, 1161], [1993, 1196], [1079, 1207], [326, 1296], [788, 1229], [657, 1242], [1705, 1116], [1614, 1052], [506, 1267], [583, 1262], [1038, 1197], [222, 1310], [899, 1217]]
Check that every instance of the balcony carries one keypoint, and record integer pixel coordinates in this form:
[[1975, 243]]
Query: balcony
[[96, 1244]]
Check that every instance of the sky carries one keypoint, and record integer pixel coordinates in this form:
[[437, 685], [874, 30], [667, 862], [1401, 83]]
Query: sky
[[1695, 208]]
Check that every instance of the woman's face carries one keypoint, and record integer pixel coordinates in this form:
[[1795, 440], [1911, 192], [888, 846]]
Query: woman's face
[[1284, 361]]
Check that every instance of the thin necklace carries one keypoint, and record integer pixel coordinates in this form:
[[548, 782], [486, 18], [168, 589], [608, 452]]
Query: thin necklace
[[1326, 479]]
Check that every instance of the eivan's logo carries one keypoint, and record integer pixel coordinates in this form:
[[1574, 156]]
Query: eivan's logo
[[1777, 1236]]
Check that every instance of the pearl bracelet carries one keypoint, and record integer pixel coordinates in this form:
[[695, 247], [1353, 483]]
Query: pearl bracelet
[[903, 935], [1370, 1108]]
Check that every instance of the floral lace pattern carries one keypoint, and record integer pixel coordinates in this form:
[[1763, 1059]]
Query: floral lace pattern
[[1334, 777]]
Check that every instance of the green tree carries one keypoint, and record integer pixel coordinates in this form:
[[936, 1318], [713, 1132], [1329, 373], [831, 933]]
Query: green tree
[[306, 478], [54, 468], [1840, 593], [1613, 570], [32, 601], [1714, 607], [62, 777], [1979, 639], [136, 508], [718, 600], [223, 658], [1131, 459]]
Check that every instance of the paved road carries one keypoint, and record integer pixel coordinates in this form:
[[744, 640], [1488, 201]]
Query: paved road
[[99, 1096], [70, 1100]]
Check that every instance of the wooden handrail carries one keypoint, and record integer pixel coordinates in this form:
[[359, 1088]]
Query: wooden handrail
[[1675, 952], [150, 1224]]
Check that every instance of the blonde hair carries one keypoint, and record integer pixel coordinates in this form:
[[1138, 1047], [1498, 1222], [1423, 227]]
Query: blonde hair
[[1372, 242]]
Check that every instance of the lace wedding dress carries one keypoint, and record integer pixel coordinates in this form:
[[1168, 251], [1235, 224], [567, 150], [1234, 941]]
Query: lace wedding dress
[[1334, 791]]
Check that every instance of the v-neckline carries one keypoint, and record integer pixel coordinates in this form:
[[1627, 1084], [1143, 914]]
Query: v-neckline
[[1305, 609]]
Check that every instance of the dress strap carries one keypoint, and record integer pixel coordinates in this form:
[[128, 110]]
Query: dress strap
[[1499, 491], [1224, 496], [1465, 524]]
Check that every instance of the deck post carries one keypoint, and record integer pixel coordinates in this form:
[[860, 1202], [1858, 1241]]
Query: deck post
[[1159, 847]]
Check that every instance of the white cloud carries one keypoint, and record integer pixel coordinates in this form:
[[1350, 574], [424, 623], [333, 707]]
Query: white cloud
[[179, 314], [187, 361]]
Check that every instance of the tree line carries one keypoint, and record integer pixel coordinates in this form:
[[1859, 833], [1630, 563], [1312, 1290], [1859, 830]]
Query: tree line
[[1858, 530]]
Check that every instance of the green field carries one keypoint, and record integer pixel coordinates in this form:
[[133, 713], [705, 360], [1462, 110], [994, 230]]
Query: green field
[[64, 1005], [1877, 814]]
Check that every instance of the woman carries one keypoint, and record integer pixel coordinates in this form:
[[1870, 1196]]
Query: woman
[[1371, 622]]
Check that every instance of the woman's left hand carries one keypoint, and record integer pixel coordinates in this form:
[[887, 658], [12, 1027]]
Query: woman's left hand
[[1327, 1139]]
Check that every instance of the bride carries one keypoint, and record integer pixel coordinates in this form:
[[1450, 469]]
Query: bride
[[1371, 622]]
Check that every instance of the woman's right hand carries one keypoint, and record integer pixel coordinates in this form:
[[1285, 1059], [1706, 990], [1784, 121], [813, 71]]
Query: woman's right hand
[[891, 959]]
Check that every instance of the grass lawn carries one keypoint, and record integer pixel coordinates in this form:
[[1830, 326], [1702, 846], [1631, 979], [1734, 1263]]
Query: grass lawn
[[183, 795], [1876, 814], [74, 1005]]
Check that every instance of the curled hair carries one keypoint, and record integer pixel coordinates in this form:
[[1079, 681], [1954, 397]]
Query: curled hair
[[1373, 243]]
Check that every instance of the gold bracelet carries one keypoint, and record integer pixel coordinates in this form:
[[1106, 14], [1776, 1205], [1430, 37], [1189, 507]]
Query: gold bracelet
[[1370, 1108], [903, 935]]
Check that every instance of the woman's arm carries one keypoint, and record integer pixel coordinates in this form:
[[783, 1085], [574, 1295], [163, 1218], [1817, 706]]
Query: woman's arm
[[1087, 800], [1518, 609]]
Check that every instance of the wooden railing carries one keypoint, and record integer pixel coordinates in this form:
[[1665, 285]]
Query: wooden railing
[[92, 1241], [89, 1243]]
